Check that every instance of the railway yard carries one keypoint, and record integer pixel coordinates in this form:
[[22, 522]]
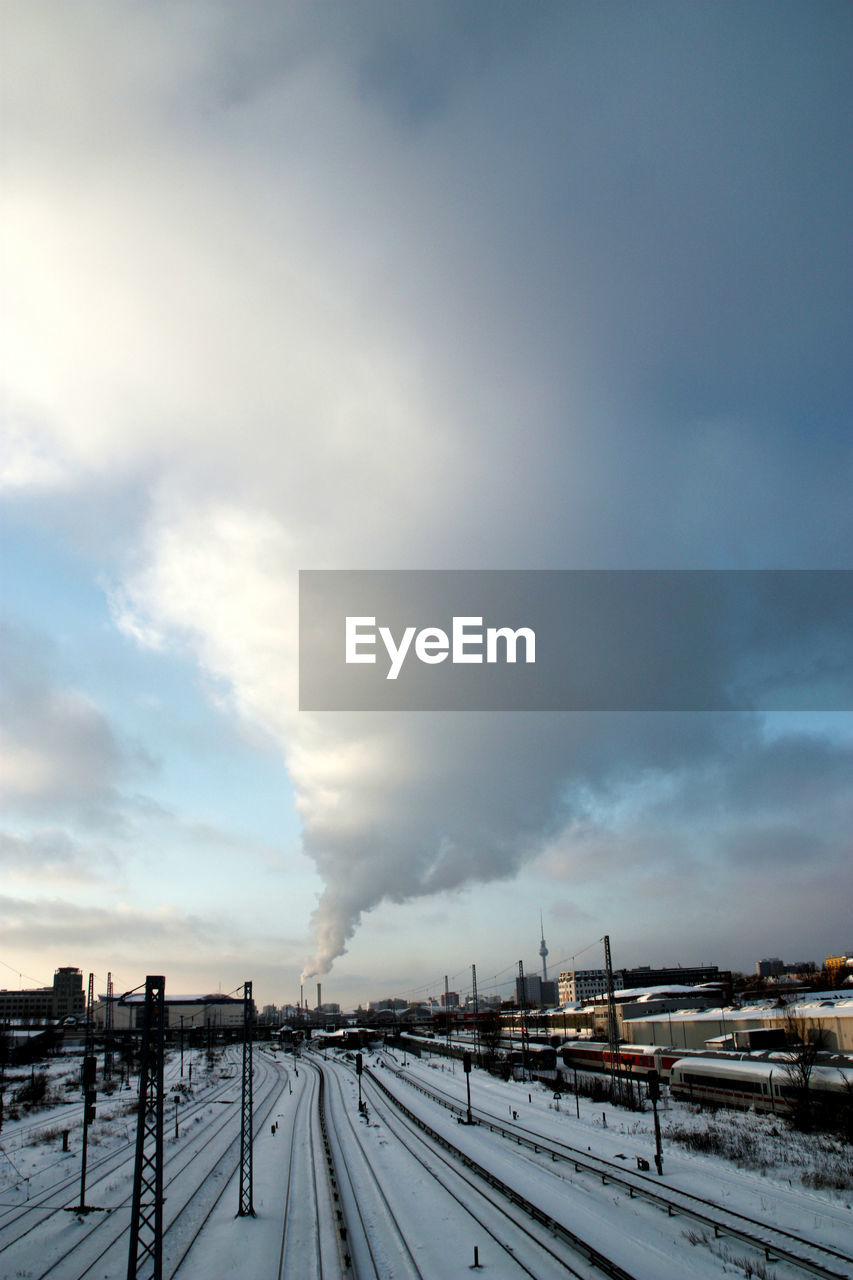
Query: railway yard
[[537, 1186]]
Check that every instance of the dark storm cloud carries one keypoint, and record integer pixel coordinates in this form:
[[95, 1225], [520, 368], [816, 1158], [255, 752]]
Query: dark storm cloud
[[797, 775]]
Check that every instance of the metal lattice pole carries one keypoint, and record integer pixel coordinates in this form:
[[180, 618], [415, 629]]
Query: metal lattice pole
[[476, 1010], [108, 1030], [88, 1081], [612, 1027], [246, 1206], [146, 1222], [525, 1034]]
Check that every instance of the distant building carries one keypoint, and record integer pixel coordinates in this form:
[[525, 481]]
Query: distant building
[[64, 999], [577, 986], [776, 968], [543, 949], [645, 976], [835, 964], [827, 1012], [450, 999], [483, 1002], [531, 991], [187, 1013]]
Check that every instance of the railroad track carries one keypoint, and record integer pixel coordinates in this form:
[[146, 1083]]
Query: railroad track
[[314, 1244], [55, 1194], [184, 1228], [774, 1243], [395, 1256], [69, 1114], [101, 1238], [497, 1210]]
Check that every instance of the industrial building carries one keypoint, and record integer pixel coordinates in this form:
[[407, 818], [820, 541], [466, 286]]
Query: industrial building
[[839, 966], [64, 999], [576, 986], [189, 1013], [774, 967], [827, 1014], [644, 975]]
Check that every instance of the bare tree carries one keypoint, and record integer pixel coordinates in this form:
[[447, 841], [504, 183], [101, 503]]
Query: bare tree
[[805, 1041], [491, 1032]]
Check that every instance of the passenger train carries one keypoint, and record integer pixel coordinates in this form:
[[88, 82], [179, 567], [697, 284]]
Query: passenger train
[[755, 1085], [635, 1060]]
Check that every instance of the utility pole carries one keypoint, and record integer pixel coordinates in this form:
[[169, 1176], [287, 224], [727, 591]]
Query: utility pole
[[525, 1040], [90, 1015], [612, 1028], [146, 1220], [108, 1030], [654, 1095], [89, 1095], [88, 1083], [466, 1066], [447, 1015], [246, 1208], [476, 1012]]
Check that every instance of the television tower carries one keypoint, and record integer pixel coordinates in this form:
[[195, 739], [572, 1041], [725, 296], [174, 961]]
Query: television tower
[[543, 950]]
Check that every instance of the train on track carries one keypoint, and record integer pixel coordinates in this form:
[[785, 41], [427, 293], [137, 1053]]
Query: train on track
[[544, 1061], [760, 1083], [634, 1060], [539, 1059], [770, 1085]]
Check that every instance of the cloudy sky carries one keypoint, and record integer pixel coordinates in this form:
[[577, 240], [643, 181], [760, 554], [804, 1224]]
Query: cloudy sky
[[407, 285]]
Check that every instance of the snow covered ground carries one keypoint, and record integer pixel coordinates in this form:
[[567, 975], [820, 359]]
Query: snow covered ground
[[410, 1210]]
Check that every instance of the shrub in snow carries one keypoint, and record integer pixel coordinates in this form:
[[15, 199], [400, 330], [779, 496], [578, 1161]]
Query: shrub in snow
[[33, 1091]]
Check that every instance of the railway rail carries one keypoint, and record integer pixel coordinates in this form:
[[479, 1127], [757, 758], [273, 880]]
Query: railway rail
[[54, 1195], [501, 1210], [394, 1255], [101, 1237], [774, 1243], [314, 1237]]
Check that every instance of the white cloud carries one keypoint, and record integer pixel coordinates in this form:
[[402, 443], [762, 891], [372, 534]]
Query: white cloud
[[316, 313], [58, 751]]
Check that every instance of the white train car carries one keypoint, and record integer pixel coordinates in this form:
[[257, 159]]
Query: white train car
[[754, 1085]]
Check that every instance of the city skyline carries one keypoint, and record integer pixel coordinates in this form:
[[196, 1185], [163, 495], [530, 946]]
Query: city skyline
[[501, 983]]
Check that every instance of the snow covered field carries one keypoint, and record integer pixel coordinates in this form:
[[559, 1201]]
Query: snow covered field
[[390, 1200]]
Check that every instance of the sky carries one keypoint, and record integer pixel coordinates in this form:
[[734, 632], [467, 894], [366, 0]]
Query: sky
[[407, 286]]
